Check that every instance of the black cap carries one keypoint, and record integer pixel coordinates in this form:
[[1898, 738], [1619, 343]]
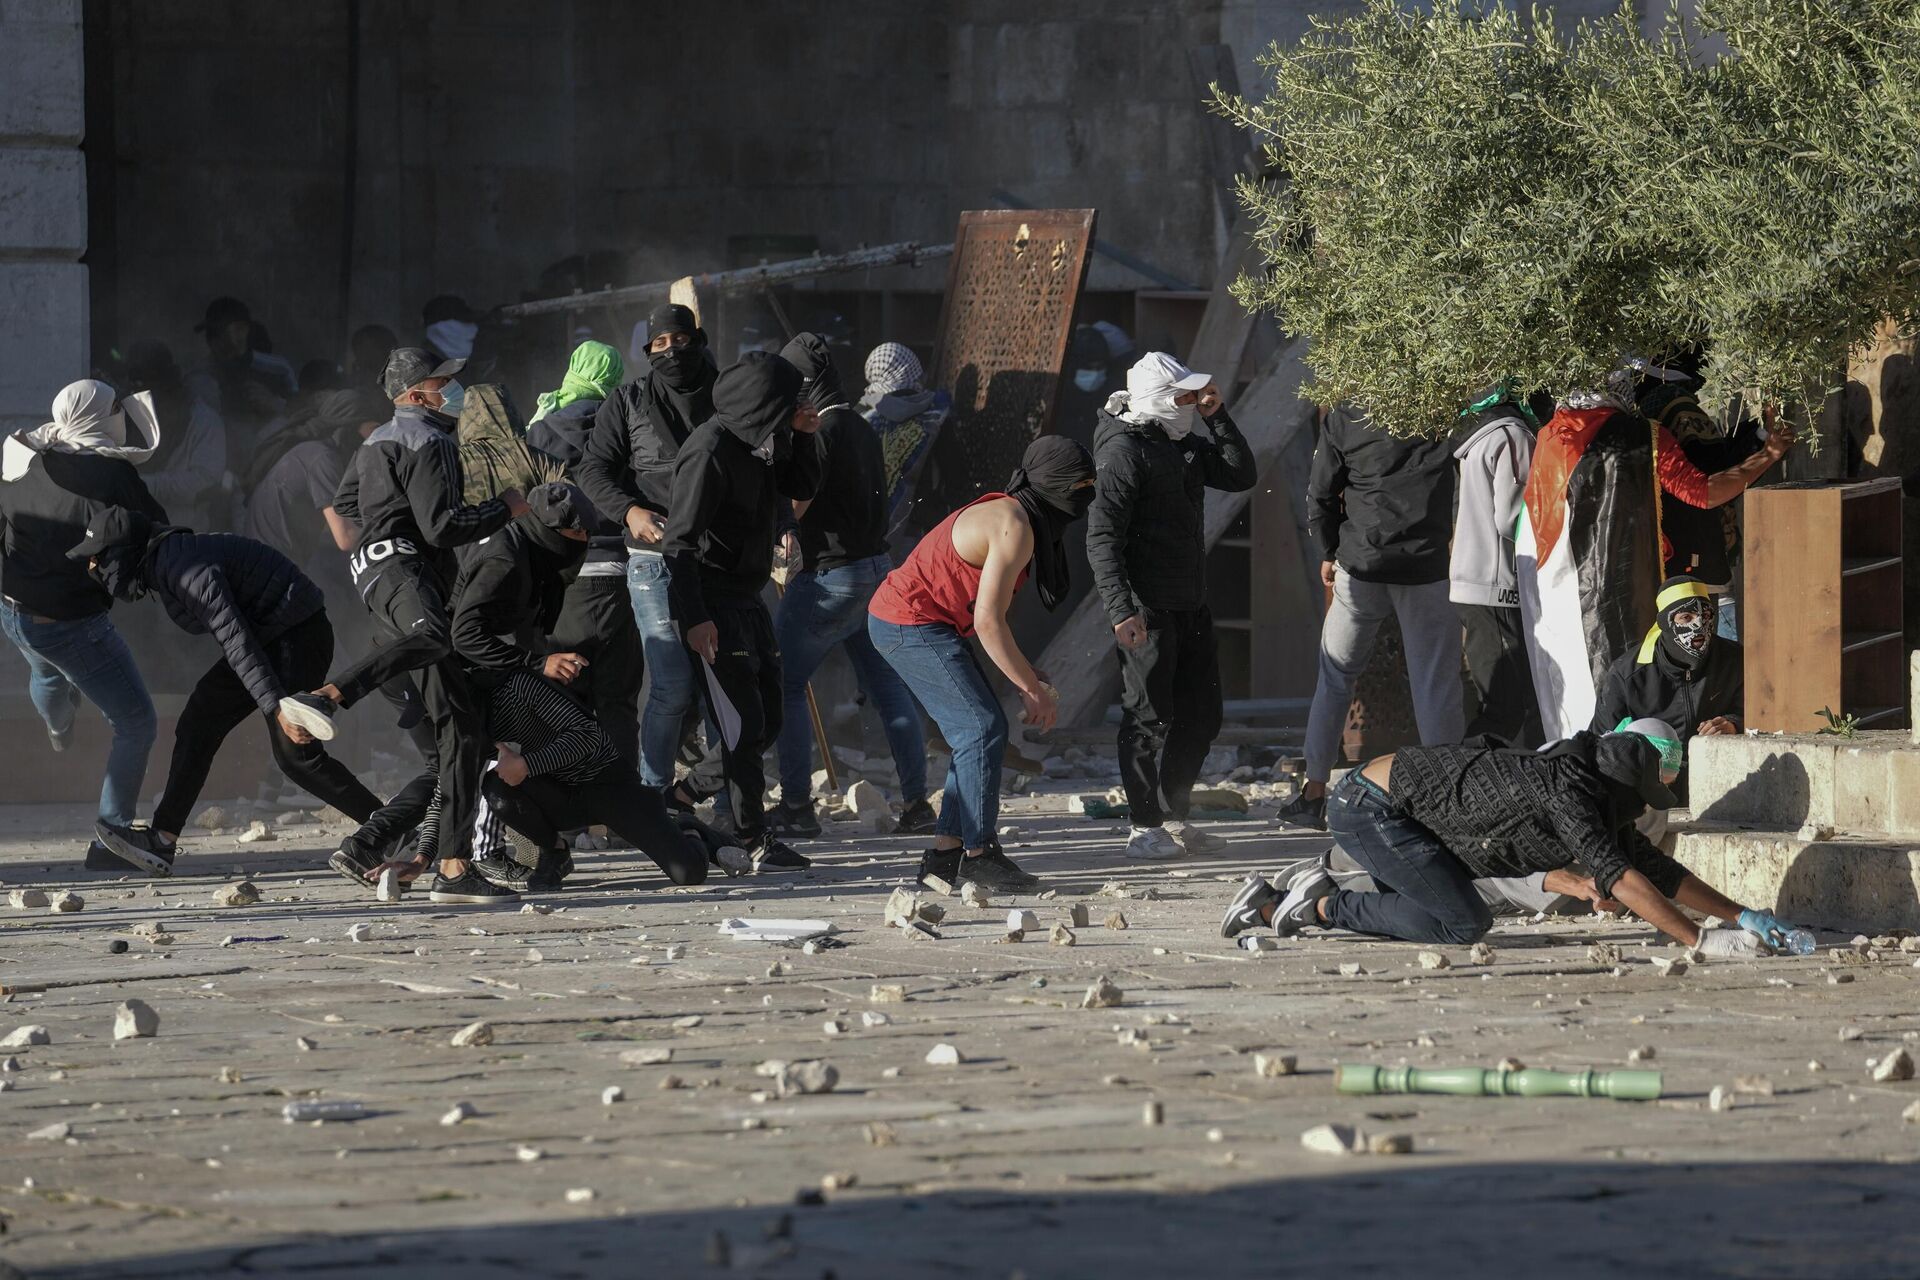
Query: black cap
[[1634, 763], [113, 527], [447, 306], [222, 312], [671, 317], [408, 367], [559, 505]]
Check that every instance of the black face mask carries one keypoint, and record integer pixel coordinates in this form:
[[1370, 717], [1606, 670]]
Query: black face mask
[[1045, 487], [678, 367], [1686, 644], [117, 570]]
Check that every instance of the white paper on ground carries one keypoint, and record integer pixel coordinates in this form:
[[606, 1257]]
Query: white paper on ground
[[749, 929]]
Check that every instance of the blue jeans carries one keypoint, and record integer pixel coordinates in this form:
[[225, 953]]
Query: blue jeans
[[940, 667], [1423, 893], [819, 611], [86, 657], [673, 690]]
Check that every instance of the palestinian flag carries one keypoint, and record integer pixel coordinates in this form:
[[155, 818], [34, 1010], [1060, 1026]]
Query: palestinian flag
[[1588, 556]]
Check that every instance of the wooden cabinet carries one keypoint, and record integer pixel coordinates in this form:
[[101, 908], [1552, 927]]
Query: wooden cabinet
[[1821, 613]]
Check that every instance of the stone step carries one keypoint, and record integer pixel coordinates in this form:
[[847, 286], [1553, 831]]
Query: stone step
[[1856, 884], [1784, 781]]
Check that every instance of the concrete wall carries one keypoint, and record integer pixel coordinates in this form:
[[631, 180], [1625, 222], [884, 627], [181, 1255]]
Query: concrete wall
[[43, 207]]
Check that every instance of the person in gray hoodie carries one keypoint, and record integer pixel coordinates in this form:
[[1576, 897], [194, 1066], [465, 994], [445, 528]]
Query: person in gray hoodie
[[1495, 453]]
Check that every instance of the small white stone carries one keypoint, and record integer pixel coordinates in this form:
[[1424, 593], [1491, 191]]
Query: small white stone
[[944, 1054], [389, 890], [26, 899], [68, 902], [975, 895], [241, 893], [651, 1056], [676, 951], [873, 1018], [1022, 922], [21, 1037], [1152, 1114], [611, 1094], [1274, 1064], [1103, 994], [135, 1019], [257, 833], [833, 1027], [527, 1155], [1434, 960], [1720, 1099], [1390, 1144], [1897, 1065], [1329, 1139], [689, 1022], [1644, 1053], [579, 1195], [459, 1111], [55, 1132], [473, 1035], [1352, 969]]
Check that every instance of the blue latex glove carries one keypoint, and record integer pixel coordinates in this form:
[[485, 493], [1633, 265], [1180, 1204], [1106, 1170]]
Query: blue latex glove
[[1771, 931]]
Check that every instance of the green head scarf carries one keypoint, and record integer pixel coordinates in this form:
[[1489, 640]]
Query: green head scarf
[[595, 370]]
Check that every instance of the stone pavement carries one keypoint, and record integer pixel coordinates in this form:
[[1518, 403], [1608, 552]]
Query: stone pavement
[[1030, 1157]]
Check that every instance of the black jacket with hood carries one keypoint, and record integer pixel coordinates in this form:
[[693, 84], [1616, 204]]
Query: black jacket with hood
[[403, 487], [1146, 530], [1654, 684], [508, 597], [243, 593], [563, 435], [637, 432], [726, 501], [846, 521], [1379, 505]]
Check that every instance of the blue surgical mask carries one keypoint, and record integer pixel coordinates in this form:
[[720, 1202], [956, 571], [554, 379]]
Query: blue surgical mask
[[1089, 379], [452, 397]]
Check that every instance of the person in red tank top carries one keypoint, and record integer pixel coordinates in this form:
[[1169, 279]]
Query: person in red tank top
[[958, 583]]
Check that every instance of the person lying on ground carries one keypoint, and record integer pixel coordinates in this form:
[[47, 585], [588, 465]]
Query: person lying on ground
[[271, 622], [1426, 822]]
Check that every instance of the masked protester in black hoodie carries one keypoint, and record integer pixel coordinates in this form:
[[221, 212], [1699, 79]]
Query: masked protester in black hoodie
[[556, 767], [728, 482], [959, 581], [626, 468], [1682, 673], [271, 622]]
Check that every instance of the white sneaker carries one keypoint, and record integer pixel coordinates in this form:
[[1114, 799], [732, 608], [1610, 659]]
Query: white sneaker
[[1194, 839], [1152, 843]]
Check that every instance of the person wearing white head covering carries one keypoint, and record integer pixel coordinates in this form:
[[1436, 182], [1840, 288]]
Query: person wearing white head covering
[[1146, 543], [54, 480]]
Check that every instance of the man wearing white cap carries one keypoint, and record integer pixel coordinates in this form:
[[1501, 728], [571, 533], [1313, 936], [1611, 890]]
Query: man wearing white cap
[[1146, 542]]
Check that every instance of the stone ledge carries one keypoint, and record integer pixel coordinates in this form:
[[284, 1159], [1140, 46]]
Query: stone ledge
[[1867, 783], [1857, 885]]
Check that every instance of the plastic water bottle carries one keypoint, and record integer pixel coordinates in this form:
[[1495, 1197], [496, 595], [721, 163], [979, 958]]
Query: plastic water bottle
[[1800, 942]]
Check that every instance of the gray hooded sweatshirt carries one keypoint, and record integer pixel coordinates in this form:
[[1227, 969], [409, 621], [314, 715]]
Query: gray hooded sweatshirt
[[1494, 456]]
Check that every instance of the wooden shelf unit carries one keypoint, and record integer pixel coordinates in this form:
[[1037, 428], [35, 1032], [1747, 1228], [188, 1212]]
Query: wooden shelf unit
[[1822, 624]]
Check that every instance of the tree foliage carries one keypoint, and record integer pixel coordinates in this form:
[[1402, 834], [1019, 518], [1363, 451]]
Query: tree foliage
[[1471, 195]]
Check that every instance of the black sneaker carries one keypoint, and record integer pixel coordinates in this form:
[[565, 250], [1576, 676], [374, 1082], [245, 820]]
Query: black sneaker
[[548, 876], [995, 870], [469, 888], [917, 819], [312, 712], [770, 854], [797, 820], [1303, 812], [141, 847], [503, 872], [101, 858], [942, 864], [351, 863]]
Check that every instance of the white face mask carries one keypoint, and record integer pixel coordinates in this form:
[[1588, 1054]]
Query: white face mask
[[452, 338], [1180, 426]]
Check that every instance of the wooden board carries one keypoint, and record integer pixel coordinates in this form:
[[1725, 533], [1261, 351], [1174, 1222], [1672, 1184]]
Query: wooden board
[[1792, 625]]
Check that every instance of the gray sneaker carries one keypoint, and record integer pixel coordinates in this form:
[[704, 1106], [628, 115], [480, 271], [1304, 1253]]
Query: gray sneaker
[[1243, 913], [1310, 882]]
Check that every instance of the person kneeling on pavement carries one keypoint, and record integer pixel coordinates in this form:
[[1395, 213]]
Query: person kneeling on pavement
[[1426, 822], [557, 768], [271, 622]]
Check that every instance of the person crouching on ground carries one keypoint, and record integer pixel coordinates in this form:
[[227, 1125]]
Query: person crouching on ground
[[957, 583], [271, 622], [1426, 822]]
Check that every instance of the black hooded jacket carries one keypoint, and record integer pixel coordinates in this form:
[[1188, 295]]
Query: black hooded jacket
[[637, 432], [508, 598], [725, 506], [243, 593], [1146, 530], [44, 512], [1381, 505], [1651, 684], [563, 435], [847, 520], [403, 487]]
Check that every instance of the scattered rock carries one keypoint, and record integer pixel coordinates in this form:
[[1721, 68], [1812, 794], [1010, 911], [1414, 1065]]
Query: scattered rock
[[887, 993], [68, 902], [934, 884], [611, 1094], [1669, 966], [944, 1054], [242, 893], [55, 1132], [813, 1075], [359, 932], [527, 1155], [1912, 1114], [1511, 1064], [1604, 953], [1022, 922], [1390, 1144], [1103, 994], [1077, 916], [579, 1195], [1480, 953], [867, 800], [903, 908], [1250, 942], [974, 895], [389, 889], [1643, 1054], [689, 1022], [1434, 960], [303, 1044], [1352, 969], [651, 1056], [1115, 920], [1329, 1139], [230, 1075], [473, 1035], [1720, 1099], [1758, 1086], [1815, 831], [1153, 1114], [135, 1020], [212, 818], [26, 899], [833, 1027], [1061, 936], [1849, 1033], [880, 1134], [869, 1018], [22, 1037], [460, 1111], [1897, 1065], [118, 947], [257, 833], [676, 951]]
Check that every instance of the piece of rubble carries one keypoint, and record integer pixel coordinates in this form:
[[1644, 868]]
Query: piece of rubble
[[22, 1037], [975, 895], [1153, 1114], [676, 951], [579, 1195], [1272, 1065], [1758, 1086], [1669, 966], [944, 1054], [117, 947], [1061, 936], [1103, 994], [1720, 1099], [1603, 953], [611, 1094], [866, 800], [359, 932], [1115, 920], [834, 1027], [527, 1155], [651, 1056], [870, 1018], [903, 907], [1352, 969], [1897, 1065], [1390, 1144], [55, 1132], [1511, 1064], [1077, 916], [1250, 942], [1813, 832], [242, 893], [1480, 953], [390, 889], [303, 1044], [134, 1020], [66, 903], [1849, 1033], [472, 1035], [1329, 1139], [230, 1075], [1645, 1053], [1434, 960], [887, 993], [257, 833], [779, 969], [1022, 922], [812, 1075], [935, 884], [26, 899], [212, 818], [1912, 1114], [458, 1112]]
